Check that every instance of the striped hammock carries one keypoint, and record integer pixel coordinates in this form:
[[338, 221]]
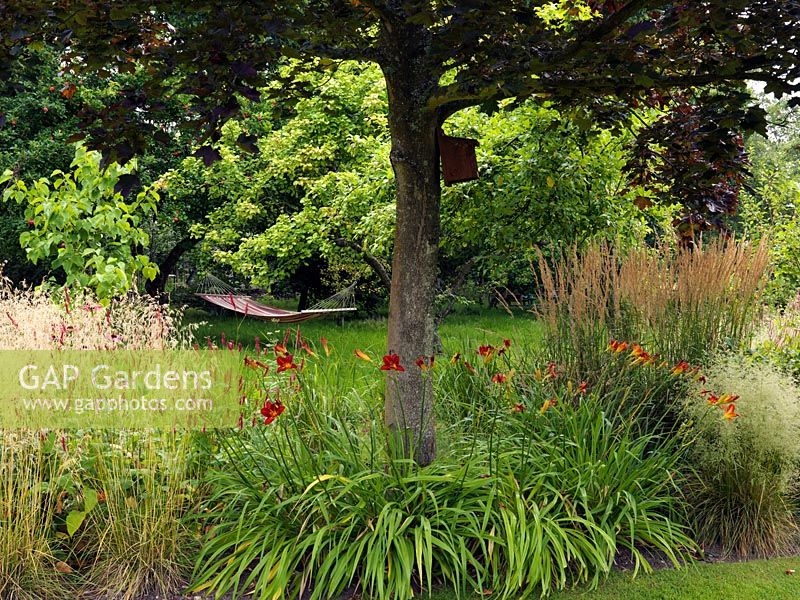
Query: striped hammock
[[217, 292]]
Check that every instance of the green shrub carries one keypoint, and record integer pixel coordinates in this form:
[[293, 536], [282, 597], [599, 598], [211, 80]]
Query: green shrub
[[83, 225], [746, 469]]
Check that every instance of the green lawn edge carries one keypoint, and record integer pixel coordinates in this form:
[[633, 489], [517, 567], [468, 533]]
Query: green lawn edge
[[752, 580]]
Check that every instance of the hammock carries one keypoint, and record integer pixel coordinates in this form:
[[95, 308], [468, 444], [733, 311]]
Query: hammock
[[218, 293]]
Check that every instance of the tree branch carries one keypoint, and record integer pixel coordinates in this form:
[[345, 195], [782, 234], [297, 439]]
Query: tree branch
[[549, 85], [369, 258], [604, 28], [370, 54]]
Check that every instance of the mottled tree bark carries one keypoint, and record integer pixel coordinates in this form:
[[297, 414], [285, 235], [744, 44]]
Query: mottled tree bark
[[409, 395]]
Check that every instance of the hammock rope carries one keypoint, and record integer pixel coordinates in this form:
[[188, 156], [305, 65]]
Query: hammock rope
[[217, 292]]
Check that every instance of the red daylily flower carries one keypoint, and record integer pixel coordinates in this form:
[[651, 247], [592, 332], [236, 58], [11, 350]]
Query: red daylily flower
[[469, 368], [280, 350], [499, 378], [285, 363], [518, 408], [552, 372], [507, 343], [304, 345], [391, 362], [582, 387], [271, 411], [730, 412], [712, 399]]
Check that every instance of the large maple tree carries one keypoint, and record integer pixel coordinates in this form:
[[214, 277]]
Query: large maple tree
[[601, 58]]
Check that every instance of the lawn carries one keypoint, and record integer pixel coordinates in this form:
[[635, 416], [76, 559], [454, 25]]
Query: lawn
[[459, 331], [755, 580]]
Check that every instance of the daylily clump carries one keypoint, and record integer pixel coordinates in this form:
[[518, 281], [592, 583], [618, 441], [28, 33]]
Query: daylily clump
[[640, 357]]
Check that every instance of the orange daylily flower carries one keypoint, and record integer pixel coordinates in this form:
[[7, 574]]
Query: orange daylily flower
[[730, 412], [456, 357], [547, 405], [324, 343], [641, 356], [680, 368], [362, 355], [391, 362], [727, 399], [425, 363], [304, 345], [486, 352], [280, 350], [712, 399], [617, 346]]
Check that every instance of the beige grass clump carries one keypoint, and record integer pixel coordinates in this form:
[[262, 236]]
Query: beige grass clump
[[683, 303], [29, 567], [38, 320]]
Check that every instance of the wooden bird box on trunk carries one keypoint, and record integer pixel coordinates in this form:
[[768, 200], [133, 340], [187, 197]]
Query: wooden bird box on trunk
[[459, 162]]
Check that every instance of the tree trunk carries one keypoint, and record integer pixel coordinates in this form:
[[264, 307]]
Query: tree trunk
[[302, 303], [415, 160], [166, 266]]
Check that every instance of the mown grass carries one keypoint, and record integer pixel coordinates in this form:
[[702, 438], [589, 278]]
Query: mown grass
[[458, 332], [754, 580]]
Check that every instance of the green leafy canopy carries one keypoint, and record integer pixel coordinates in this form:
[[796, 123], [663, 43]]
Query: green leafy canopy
[[84, 224]]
